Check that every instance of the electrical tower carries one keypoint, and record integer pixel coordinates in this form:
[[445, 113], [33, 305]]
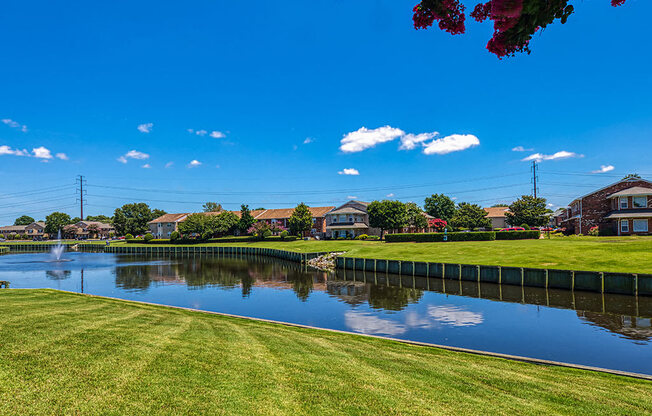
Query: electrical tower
[[535, 177], [80, 181]]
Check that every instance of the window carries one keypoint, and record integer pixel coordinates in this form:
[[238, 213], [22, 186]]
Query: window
[[640, 226], [622, 202], [624, 226], [639, 202], [314, 220]]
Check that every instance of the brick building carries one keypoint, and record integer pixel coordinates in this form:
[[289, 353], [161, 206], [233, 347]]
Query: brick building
[[622, 208]]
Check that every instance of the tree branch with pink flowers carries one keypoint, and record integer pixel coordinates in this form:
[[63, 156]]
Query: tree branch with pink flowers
[[514, 21]]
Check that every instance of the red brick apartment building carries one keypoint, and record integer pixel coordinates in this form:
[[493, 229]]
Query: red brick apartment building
[[622, 208]]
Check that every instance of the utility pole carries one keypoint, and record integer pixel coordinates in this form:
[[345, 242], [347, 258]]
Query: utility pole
[[534, 178], [81, 182]]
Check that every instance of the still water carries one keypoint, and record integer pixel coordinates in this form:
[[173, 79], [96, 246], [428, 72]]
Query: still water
[[608, 331]]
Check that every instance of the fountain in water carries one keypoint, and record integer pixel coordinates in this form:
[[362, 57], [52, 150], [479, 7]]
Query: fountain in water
[[58, 249]]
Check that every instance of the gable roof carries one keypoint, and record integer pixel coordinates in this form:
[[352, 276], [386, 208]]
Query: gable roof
[[610, 185], [496, 212], [169, 218], [282, 213], [633, 191]]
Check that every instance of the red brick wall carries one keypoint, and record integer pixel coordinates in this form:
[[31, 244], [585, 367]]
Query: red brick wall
[[596, 206]]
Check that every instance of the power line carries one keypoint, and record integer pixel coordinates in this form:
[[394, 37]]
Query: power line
[[305, 192]]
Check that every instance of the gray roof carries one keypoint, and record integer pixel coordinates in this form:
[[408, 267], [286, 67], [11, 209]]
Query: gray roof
[[644, 213], [633, 191], [357, 225], [347, 210]]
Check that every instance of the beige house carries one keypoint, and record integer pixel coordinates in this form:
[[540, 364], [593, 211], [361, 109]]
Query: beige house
[[13, 230], [163, 226], [93, 229], [349, 221], [497, 216], [36, 230]]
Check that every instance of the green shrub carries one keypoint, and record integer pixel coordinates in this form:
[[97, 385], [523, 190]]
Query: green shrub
[[594, 231], [2, 236], [362, 237], [518, 235], [284, 235], [527, 227], [148, 237], [373, 238], [174, 235], [437, 237], [129, 237], [267, 233]]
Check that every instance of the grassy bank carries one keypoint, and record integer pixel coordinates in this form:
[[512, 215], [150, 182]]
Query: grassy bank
[[608, 254], [71, 354]]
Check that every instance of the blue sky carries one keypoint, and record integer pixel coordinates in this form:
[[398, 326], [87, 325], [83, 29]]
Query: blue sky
[[281, 85]]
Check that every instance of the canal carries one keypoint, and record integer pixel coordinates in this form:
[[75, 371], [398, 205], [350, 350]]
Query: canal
[[610, 331]]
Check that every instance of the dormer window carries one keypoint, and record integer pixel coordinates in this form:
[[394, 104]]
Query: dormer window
[[639, 202], [622, 202]]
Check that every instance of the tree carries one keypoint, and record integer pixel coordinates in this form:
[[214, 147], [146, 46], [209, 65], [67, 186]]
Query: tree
[[470, 216], [514, 21], [212, 207], [194, 224], [157, 213], [69, 231], [632, 176], [528, 210], [387, 215], [440, 206], [93, 230], [414, 216], [56, 221], [438, 224], [223, 223], [99, 218], [133, 218], [246, 219], [499, 206], [262, 229], [300, 220], [75, 220], [24, 220]]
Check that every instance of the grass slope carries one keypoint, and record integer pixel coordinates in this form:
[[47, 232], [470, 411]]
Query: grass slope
[[605, 254], [71, 354]]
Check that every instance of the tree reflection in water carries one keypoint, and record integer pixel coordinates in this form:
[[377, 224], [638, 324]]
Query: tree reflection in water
[[223, 272]]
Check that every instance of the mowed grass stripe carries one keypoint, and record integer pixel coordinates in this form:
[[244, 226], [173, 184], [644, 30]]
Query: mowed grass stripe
[[145, 359]]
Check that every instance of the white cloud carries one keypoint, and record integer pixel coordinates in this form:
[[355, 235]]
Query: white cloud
[[146, 166], [14, 124], [145, 127], [194, 163], [217, 134], [521, 149], [133, 154], [410, 141], [308, 140], [562, 154], [169, 165], [449, 144], [6, 150], [364, 138], [390, 195], [351, 197], [42, 153], [349, 171], [367, 323], [603, 169], [201, 133], [61, 156], [455, 316]]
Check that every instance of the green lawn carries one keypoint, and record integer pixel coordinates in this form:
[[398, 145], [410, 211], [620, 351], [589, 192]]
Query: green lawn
[[607, 254], [63, 353]]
